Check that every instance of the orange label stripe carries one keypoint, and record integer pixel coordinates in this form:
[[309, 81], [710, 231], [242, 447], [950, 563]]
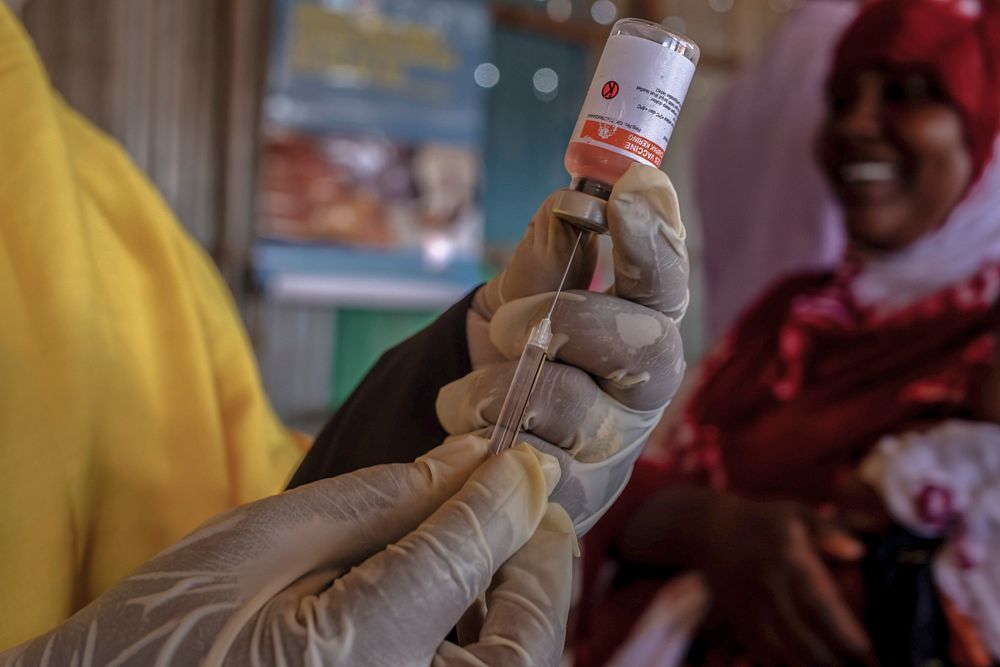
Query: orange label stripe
[[631, 142]]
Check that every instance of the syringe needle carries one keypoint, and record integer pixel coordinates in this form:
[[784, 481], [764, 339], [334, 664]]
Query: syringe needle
[[562, 282], [526, 373]]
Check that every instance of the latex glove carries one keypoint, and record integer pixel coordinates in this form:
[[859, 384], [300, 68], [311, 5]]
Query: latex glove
[[306, 578], [618, 356]]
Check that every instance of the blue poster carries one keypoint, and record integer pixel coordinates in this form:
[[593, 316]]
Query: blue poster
[[402, 68], [373, 127]]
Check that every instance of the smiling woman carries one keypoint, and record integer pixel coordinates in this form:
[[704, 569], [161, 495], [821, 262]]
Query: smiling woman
[[895, 153], [758, 475]]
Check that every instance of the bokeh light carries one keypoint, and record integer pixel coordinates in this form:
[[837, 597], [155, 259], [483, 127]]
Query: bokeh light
[[487, 75], [559, 10], [676, 24], [545, 80], [604, 11]]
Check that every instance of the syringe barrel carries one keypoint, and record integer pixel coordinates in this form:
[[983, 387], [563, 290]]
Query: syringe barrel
[[512, 413]]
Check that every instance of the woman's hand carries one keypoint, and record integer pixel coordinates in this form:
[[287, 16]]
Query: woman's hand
[[765, 564]]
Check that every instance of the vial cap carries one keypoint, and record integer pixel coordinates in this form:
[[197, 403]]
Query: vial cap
[[581, 210]]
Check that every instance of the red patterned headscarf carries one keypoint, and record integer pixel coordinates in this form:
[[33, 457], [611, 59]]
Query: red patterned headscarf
[[958, 41]]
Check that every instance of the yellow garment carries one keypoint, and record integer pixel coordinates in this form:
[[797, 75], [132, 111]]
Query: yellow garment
[[130, 406]]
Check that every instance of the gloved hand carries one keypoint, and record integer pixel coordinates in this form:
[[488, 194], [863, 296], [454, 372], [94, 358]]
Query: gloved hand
[[618, 357], [306, 578]]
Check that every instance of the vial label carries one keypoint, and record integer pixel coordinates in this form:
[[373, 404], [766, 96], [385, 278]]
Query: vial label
[[634, 99]]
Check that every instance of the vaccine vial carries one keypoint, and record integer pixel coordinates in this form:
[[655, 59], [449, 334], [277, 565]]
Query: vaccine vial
[[628, 115]]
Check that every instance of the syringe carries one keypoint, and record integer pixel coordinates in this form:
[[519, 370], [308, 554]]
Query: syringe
[[529, 368]]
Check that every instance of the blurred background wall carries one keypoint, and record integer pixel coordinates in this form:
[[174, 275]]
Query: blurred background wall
[[199, 90], [179, 84]]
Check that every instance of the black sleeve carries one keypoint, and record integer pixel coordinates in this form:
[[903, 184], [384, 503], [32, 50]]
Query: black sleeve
[[390, 417]]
